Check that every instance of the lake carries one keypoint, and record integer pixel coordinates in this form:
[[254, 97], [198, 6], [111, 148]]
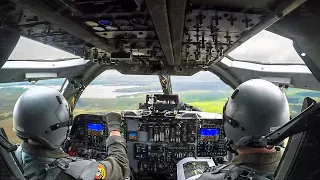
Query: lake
[[96, 91]]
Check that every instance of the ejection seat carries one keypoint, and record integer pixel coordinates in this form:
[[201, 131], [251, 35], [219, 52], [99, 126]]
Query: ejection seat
[[9, 167], [301, 159]]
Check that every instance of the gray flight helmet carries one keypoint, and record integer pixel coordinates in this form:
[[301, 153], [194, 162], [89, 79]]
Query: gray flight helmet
[[256, 108], [43, 115]]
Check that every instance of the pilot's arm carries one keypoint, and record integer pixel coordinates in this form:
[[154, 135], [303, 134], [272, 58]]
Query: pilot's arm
[[116, 165]]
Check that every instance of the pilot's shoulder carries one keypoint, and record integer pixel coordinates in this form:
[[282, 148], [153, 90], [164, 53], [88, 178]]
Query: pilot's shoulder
[[18, 154], [78, 167]]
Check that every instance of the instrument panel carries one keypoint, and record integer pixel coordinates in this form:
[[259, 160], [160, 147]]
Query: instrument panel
[[155, 142], [88, 137]]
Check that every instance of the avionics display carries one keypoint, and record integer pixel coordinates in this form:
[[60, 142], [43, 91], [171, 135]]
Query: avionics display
[[211, 134], [156, 142], [132, 136], [88, 136], [95, 129]]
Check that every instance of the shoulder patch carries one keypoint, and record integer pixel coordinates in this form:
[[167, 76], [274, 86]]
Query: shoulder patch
[[101, 172]]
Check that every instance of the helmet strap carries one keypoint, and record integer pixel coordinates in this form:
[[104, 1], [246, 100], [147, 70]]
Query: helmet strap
[[228, 119], [229, 147], [58, 126], [231, 121]]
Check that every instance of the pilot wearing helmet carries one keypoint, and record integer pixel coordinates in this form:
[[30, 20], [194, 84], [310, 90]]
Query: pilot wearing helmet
[[256, 108], [41, 118]]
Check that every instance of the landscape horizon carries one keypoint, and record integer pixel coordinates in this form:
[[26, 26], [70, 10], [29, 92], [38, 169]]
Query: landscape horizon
[[203, 90]]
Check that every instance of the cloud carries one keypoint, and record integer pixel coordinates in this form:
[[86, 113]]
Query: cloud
[[29, 49], [267, 47]]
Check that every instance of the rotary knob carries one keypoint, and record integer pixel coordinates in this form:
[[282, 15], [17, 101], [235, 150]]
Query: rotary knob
[[209, 147], [145, 165], [160, 165], [95, 141]]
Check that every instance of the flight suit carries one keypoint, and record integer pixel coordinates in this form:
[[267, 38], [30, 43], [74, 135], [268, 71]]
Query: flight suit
[[41, 163], [261, 164]]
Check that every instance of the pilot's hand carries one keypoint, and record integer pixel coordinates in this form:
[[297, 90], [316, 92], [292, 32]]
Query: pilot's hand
[[114, 122]]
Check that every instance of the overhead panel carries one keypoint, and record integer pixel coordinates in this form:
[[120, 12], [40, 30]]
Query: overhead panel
[[237, 4], [209, 32], [270, 17], [38, 21], [100, 28], [125, 25], [177, 37], [230, 24]]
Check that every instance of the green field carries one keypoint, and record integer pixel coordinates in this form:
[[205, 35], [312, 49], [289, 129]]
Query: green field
[[7, 125], [209, 106]]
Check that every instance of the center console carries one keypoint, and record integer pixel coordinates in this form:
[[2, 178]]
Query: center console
[[157, 142]]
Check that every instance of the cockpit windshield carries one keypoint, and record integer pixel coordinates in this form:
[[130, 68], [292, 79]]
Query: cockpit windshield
[[267, 48], [112, 91], [37, 51]]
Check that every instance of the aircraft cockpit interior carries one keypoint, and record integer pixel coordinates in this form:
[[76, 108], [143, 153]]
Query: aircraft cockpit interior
[[157, 137], [173, 128]]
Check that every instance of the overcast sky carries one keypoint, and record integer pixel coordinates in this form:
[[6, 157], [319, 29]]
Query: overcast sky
[[29, 49], [267, 47], [264, 47]]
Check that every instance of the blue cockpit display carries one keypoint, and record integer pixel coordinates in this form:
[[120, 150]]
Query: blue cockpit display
[[211, 134], [95, 127]]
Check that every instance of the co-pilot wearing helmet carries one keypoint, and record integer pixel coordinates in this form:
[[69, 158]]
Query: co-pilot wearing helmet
[[41, 118], [256, 108]]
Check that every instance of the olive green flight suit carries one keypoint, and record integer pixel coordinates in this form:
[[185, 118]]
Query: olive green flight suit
[[263, 164], [47, 164]]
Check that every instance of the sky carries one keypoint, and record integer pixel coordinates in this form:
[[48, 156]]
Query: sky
[[265, 47], [30, 49]]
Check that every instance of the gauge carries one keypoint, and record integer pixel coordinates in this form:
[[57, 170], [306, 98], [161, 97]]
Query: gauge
[[98, 28], [111, 28], [91, 23], [209, 147], [141, 28], [137, 21], [122, 22], [126, 28], [105, 22]]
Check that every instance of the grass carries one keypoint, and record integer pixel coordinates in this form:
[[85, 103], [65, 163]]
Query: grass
[[7, 125], [210, 106]]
